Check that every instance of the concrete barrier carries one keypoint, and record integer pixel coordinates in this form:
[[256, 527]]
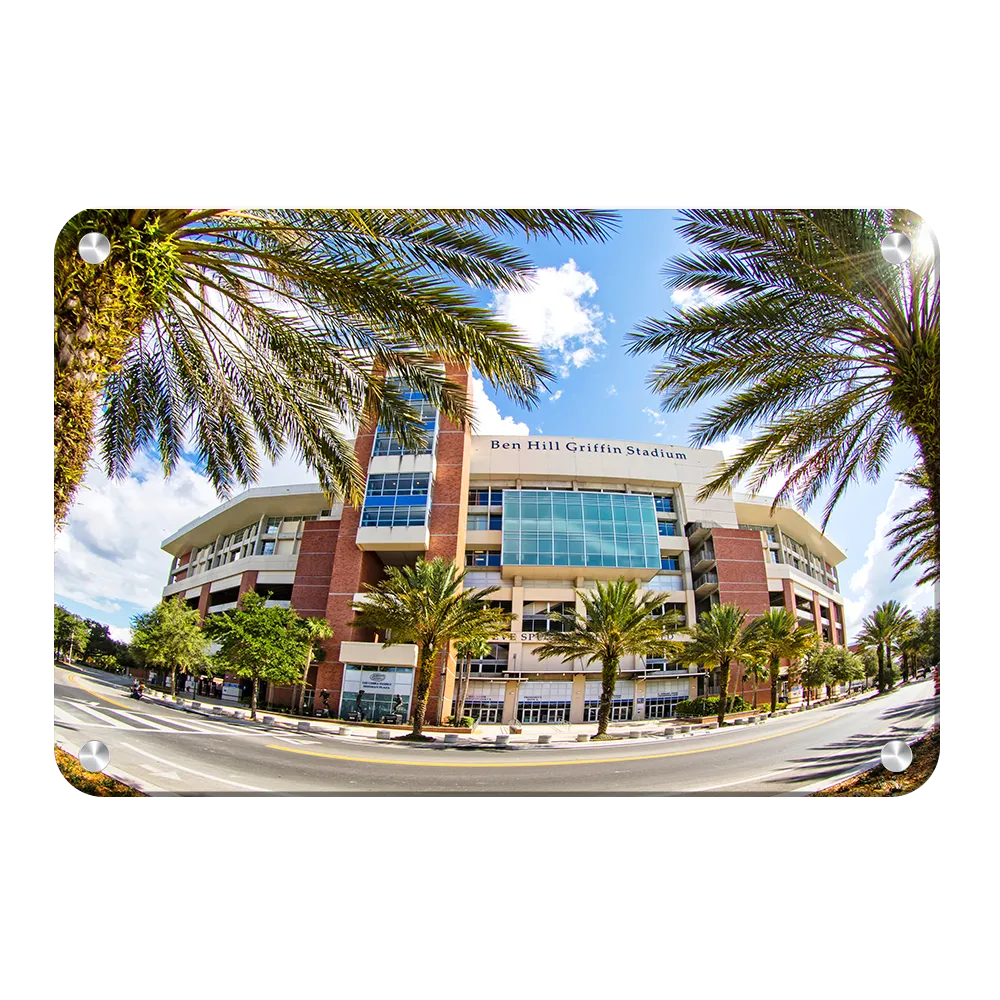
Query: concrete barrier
[[268, 720], [304, 727], [501, 740], [217, 710], [682, 729], [635, 734], [344, 731], [545, 738], [451, 737], [196, 704], [582, 737], [384, 734], [711, 725], [668, 733]]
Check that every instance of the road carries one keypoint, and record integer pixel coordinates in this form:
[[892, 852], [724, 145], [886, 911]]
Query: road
[[183, 753]]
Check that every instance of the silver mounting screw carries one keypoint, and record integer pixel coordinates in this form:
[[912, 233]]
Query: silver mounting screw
[[94, 756], [896, 756], [896, 248], [94, 248]]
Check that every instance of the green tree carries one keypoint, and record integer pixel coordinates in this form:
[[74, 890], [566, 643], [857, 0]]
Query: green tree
[[170, 636], [255, 331], [616, 621], [778, 634], [841, 666], [721, 637], [815, 673], [869, 662], [315, 631], [426, 604], [71, 633], [810, 341], [259, 643], [883, 629], [472, 649], [929, 629]]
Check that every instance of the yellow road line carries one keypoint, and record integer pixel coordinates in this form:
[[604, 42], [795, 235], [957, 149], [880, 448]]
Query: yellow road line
[[542, 763], [74, 680]]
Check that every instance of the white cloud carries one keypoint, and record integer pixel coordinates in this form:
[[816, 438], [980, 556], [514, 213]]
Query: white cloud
[[687, 299], [654, 416], [554, 315], [556, 395], [486, 416], [612, 391], [872, 583], [120, 634], [729, 447], [109, 552]]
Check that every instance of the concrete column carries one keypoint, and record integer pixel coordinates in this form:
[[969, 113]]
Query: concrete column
[[510, 701], [639, 705]]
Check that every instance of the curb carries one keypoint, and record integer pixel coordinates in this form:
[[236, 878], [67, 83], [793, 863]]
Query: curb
[[140, 785]]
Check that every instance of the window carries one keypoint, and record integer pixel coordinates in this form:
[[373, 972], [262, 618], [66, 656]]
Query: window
[[536, 616], [271, 525], [671, 564], [681, 609], [397, 500], [482, 557], [777, 599], [495, 663], [582, 528], [393, 517], [664, 504], [481, 496], [267, 549], [666, 528], [386, 441], [402, 484], [484, 522]]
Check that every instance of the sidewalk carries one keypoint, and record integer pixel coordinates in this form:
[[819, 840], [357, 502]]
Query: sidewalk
[[560, 736]]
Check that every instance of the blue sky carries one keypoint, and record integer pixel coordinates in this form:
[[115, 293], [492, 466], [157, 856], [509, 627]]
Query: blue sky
[[585, 300]]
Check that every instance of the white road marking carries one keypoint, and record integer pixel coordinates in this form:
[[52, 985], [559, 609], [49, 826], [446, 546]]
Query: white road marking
[[729, 784], [172, 775], [62, 716], [200, 774], [146, 721], [298, 743], [114, 723]]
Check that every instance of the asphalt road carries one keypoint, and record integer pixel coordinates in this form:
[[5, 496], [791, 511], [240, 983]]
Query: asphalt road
[[181, 753]]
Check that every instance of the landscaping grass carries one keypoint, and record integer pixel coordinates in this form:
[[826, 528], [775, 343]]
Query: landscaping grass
[[880, 782], [93, 783]]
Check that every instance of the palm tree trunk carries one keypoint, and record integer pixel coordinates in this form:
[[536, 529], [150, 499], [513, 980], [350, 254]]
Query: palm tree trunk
[[300, 700], [724, 690], [609, 678], [173, 681], [775, 669], [98, 312], [463, 687], [253, 697], [425, 675], [880, 653]]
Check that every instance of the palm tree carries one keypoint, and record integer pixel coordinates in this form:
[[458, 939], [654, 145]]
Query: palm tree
[[314, 631], [719, 638], [236, 333], [826, 352], [472, 649], [616, 621], [756, 668], [884, 627], [917, 533], [426, 604], [779, 635]]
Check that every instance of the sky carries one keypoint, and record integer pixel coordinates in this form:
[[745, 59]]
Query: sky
[[585, 298]]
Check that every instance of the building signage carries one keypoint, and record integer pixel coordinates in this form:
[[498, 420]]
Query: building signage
[[598, 448]]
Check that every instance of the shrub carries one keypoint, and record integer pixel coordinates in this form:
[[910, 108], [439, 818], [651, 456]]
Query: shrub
[[710, 706], [466, 720]]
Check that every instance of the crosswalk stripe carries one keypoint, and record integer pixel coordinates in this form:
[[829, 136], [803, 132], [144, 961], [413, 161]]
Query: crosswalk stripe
[[66, 717], [114, 723], [146, 721]]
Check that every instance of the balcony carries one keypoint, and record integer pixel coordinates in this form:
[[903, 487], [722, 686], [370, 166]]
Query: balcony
[[706, 583], [698, 531], [703, 559], [398, 538]]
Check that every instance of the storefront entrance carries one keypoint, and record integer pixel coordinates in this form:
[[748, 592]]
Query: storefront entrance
[[545, 702], [375, 693]]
